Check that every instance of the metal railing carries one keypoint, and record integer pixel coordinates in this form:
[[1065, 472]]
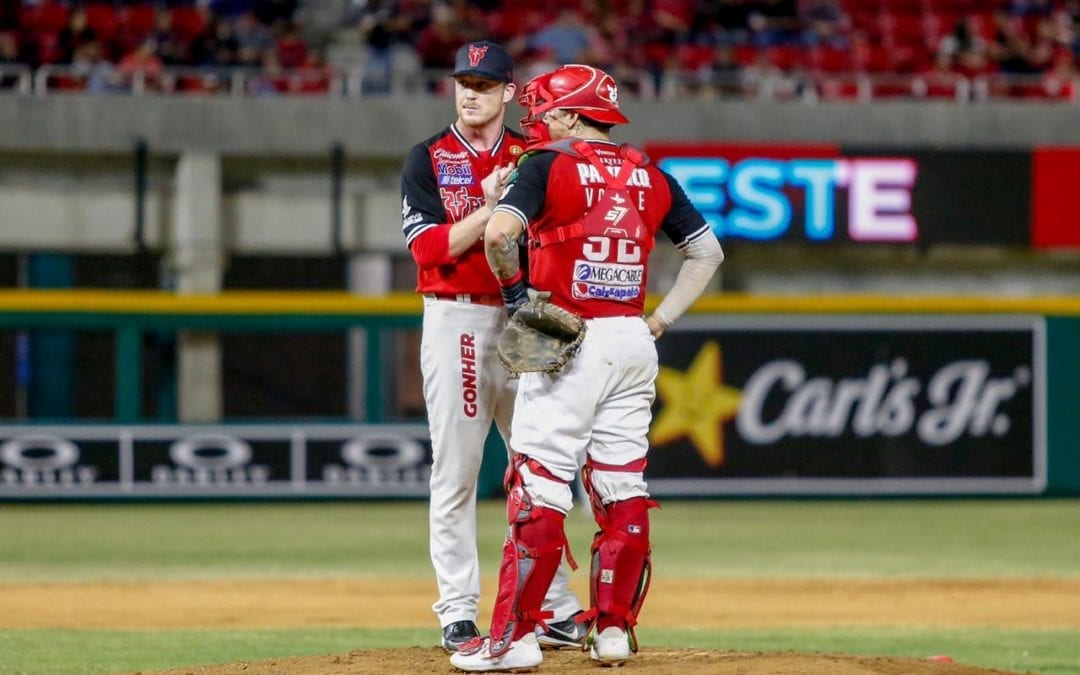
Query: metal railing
[[805, 86]]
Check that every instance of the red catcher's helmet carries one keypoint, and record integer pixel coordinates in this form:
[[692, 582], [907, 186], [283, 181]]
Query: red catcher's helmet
[[588, 91]]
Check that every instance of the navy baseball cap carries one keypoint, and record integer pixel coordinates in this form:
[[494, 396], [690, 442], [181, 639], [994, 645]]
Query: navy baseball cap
[[484, 59]]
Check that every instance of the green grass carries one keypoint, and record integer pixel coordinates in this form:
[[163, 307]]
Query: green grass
[[732, 539], [862, 538]]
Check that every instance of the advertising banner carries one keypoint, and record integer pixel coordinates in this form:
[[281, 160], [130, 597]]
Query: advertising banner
[[850, 405], [831, 194], [746, 405], [57, 462]]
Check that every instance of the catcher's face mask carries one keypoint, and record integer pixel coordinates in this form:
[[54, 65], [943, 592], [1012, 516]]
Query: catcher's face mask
[[536, 99]]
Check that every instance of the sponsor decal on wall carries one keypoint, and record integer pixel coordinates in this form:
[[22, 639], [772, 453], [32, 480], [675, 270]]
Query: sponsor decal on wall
[[59, 462], [881, 405]]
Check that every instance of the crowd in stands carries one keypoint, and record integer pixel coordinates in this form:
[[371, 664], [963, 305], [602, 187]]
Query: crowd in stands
[[706, 48]]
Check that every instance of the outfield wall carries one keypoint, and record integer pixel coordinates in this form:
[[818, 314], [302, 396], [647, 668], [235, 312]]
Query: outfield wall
[[844, 395]]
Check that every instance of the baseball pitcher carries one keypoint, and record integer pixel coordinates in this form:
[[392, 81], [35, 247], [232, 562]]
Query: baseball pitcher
[[449, 186]]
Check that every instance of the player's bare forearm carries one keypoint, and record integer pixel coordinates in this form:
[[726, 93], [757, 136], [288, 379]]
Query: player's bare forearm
[[501, 244], [468, 231]]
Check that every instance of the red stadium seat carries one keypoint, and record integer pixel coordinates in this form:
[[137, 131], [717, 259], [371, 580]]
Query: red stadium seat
[[745, 54], [102, 18], [692, 57], [906, 28], [138, 18], [830, 59], [786, 57], [48, 17], [872, 58], [187, 22]]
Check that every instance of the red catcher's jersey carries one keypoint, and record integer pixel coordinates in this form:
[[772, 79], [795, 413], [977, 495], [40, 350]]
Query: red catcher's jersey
[[440, 185], [594, 274]]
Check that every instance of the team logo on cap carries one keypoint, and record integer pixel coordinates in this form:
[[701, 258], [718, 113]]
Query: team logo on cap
[[476, 54]]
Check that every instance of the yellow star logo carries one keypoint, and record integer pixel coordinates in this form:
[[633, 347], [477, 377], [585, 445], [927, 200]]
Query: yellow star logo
[[696, 405]]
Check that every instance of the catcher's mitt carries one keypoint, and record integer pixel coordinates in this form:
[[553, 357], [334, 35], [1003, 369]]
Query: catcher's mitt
[[540, 338]]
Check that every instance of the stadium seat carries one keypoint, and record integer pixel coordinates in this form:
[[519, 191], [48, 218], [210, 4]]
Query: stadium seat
[[102, 18], [48, 17], [187, 22], [138, 19]]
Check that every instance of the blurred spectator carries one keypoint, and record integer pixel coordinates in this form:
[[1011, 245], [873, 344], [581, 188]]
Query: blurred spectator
[[722, 75], [653, 47], [141, 66], [1010, 46], [534, 62], [75, 34], [438, 42], [1033, 8], [567, 39], [1059, 81], [377, 29], [271, 78], [216, 45], [10, 50], [171, 49], [253, 39], [965, 36], [98, 74], [291, 49], [763, 78], [313, 76], [770, 23], [940, 79], [824, 22]]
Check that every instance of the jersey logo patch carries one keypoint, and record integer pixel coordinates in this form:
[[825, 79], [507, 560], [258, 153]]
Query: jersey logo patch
[[459, 203], [609, 273], [454, 173]]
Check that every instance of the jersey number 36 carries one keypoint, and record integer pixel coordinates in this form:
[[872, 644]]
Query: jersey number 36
[[598, 249]]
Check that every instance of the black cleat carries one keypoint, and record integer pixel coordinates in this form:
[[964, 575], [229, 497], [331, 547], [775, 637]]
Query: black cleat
[[457, 634], [568, 633]]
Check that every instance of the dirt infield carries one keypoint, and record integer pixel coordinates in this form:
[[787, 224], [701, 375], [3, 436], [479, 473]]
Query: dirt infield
[[673, 603], [652, 661]]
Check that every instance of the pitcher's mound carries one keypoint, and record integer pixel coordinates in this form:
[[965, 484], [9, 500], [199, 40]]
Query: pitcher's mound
[[656, 660]]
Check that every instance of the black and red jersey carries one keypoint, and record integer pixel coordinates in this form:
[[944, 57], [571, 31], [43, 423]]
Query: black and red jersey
[[440, 185], [589, 251]]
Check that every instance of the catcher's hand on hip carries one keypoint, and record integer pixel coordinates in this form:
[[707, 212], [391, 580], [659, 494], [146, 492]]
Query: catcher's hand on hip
[[540, 337]]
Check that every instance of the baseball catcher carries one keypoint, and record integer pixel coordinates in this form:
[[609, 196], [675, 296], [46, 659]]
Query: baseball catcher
[[592, 210]]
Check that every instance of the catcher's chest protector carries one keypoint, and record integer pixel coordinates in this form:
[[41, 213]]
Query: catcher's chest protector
[[608, 244]]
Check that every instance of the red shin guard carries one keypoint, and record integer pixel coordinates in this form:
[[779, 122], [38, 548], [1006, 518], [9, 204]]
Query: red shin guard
[[621, 563], [531, 556]]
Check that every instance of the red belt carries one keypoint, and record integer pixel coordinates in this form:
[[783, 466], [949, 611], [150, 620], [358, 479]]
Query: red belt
[[490, 299]]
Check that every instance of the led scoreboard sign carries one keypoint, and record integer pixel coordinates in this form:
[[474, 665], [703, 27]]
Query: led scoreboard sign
[[751, 198], [826, 193]]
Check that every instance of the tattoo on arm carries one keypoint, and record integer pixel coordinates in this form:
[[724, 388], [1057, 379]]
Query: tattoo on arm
[[503, 257]]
